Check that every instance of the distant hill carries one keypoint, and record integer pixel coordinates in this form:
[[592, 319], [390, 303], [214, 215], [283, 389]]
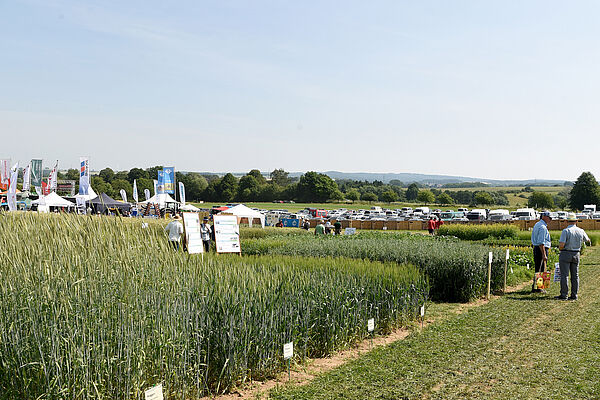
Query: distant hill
[[432, 179]]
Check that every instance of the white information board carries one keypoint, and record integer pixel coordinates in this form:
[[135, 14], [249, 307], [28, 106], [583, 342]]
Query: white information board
[[288, 350], [371, 325], [155, 393], [191, 226], [350, 231], [227, 234]]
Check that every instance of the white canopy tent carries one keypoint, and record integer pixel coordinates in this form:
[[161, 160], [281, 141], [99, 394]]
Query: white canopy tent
[[87, 197], [53, 200], [244, 212], [161, 199], [189, 207]]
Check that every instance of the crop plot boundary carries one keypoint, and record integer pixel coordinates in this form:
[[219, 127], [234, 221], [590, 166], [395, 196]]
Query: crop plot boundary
[[302, 374]]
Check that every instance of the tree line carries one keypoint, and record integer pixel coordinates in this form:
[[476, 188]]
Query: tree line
[[314, 187]]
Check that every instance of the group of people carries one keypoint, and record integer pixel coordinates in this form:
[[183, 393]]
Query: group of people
[[327, 228], [175, 231], [433, 224], [569, 244]]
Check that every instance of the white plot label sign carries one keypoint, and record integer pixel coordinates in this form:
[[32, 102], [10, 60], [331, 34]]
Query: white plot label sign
[[191, 224], [155, 393], [288, 350], [371, 325], [227, 234]]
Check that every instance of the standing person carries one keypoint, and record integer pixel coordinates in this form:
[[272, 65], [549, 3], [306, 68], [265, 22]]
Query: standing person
[[431, 225], [337, 227], [175, 230], [328, 227], [205, 234], [306, 224], [438, 223], [540, 241], [569, 245], [320, 228]]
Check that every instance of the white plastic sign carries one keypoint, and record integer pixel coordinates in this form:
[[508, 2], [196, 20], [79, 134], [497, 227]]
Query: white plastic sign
[[191, 224], [371, 325], [155, 393], [491, 255], [349, 231], [288, 350], [423, 310], [507, 253], [227, 234]]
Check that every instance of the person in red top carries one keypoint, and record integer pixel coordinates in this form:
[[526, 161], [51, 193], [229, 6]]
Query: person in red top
[[438, 223], [431, 225]]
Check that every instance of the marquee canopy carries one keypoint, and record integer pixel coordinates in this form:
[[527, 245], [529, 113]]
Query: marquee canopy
[[244, 212]]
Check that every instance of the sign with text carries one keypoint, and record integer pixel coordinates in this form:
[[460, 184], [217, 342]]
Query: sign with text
[[291, 223], [271, 219], [227, 234], [350, 231], [371, 325], [288, 350], [191, 226], [155, 393]]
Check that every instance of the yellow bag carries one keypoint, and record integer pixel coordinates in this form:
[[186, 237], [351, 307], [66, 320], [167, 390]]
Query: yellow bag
[[542, 280]]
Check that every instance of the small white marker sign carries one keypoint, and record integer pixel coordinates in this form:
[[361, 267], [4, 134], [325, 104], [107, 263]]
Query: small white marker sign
[[155, 393], [423, 310], [288, 350], [371, 325], [491, 255], [507, 253], [527, 265]]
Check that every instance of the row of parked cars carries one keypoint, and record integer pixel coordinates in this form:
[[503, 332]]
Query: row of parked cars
[[424, 213]]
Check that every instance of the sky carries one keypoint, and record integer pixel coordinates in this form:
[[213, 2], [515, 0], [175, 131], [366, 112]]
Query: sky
[[490, 89]]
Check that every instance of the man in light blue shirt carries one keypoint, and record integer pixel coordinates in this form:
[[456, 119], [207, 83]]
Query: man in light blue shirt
[[569, 244], [540, 241]]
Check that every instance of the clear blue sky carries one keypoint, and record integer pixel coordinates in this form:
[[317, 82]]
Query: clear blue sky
[[502, 89]]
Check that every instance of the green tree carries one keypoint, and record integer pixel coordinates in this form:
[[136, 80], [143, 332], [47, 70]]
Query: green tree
[[100, 186], [389, 196], [269, 192], [315, 188], [412, 192], [540, 200], [248, 188], [118, 184], [260, 179], [153, 171], [369, 196], [425, 196], [353, 194], [445, 198], [483, 198], [227, 188], [280, 177], [72, 174], [585, 190], [136, 173], [107, 174]]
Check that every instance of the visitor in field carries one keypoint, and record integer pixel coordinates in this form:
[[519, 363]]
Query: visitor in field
[[328, 227], [431, 225], [175, 230], [540, 241], [569, 244], [337, 227], [320, 228], [438, 223], [306, 224], [205, 234]]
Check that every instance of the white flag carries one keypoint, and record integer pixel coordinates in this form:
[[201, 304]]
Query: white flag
[[84, 175], [11, 196], [123, 195], [27, 177], [147, 194], [38, 190], [53, 177], [182, 193], [135, 193], [4, 171], [155, 187]]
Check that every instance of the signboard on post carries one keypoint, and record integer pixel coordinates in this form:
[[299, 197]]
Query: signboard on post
[[291, 222], [191, 227], [271, 220], [227, 234]]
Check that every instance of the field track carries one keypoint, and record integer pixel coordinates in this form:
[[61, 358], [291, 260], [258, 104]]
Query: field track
[[520, 346]]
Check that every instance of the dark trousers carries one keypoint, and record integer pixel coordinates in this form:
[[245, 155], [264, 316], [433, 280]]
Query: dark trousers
[[206, 244], [538, 263], [569, 265], [175, 244]]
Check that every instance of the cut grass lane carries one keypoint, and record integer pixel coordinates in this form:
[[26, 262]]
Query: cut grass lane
[[522, 345]]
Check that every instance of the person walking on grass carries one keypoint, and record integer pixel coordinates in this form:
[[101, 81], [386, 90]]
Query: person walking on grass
[[320, 228], [541, 243], [431, 225], [569, 244], [175, 230]]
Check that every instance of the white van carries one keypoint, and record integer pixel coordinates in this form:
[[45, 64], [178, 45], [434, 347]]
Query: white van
[[526, 214], [422, 210], [499, 215], [477, 214]]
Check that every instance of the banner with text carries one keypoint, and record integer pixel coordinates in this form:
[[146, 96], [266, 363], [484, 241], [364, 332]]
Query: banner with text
[[227, 234], [84, 175], [36, 173]]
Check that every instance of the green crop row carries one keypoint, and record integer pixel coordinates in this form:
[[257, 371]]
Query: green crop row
[[479, 232], [457, 271], [97, 307]]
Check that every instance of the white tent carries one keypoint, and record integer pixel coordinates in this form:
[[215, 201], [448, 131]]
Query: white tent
[[161, 199], [87, 197], [53, 200], [189, 207], [244, 212]]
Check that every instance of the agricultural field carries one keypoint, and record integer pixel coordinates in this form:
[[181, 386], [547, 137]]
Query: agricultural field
[[102, 307]]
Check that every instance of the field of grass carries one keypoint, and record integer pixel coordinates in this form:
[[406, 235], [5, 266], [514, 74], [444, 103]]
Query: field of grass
[[100, 307], [520, 346]]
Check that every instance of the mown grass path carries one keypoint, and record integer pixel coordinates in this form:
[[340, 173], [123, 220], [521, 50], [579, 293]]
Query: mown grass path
[[519, 346]]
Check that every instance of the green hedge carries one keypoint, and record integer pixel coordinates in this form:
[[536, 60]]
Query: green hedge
[[479, 232]]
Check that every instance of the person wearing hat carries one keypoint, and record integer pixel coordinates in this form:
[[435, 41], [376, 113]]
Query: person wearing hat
[[175, 230], [540, 241], [205, 234], [569, 244], [320, 228]]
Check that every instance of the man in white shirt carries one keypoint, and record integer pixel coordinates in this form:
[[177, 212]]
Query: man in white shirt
[[175, 230], [569, 244]]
